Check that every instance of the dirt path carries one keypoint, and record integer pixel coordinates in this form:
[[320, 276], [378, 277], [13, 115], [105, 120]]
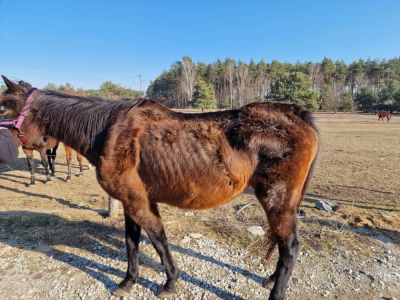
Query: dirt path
[[90, 266]]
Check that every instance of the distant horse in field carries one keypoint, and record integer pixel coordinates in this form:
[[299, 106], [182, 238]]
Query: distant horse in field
[[382, 115], [145, 153]]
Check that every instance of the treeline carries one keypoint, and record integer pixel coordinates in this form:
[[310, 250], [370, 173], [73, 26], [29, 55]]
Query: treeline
[[107, 90], [327, 85]]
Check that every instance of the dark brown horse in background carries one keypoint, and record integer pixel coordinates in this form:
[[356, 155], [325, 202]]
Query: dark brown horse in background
[[382, 115], [145, 153]]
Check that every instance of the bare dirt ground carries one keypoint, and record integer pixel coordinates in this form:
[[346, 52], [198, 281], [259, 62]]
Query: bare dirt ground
[[69, 252]]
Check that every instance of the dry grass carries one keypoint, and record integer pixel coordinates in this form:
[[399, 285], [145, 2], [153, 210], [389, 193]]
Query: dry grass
[[358, 168]]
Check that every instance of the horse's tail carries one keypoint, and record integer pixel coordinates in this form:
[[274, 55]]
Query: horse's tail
[[308, 117], [270, 241]]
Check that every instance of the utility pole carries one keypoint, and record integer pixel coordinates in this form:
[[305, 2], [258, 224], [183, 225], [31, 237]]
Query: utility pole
[[141, 89]]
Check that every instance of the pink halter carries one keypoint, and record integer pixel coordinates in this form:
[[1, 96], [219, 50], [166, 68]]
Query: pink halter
[[18, 122]]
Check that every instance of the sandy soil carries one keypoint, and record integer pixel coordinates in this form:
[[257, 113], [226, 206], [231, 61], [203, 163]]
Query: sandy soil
[[358, 168]]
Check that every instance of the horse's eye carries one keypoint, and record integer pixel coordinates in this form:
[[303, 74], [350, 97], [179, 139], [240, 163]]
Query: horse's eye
[[2, 110]]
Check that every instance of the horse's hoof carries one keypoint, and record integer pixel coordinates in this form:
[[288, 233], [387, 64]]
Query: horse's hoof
[[80, 175], [48, 182], [53, 175], [164, 294], [31, 185], [68, 180], [269, 283], [120, 292]]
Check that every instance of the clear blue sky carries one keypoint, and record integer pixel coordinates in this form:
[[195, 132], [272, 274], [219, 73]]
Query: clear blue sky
[[87, 42]]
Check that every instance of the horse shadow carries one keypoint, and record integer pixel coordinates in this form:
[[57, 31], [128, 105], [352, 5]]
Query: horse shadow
[[110, 238], [21, 165], [382, 235], [30, 193], [310, 198], [363, 188]]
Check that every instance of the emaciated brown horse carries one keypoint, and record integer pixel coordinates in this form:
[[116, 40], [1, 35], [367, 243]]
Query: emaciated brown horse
[[145, 153], [382, 115]]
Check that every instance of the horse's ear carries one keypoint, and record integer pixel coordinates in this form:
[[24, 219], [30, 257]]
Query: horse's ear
[[12, 87]]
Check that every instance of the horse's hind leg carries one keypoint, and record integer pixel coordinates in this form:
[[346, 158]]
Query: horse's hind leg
[[132, 236], [280, 206], [280, 188], [68, 155], [149, 219], [79, 158]]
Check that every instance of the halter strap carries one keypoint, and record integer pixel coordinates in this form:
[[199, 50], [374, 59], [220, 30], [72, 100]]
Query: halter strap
[[25, 109], [7, 123]]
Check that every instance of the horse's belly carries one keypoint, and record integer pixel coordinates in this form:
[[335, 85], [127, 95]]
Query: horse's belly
[[193, 174], [195, 196]]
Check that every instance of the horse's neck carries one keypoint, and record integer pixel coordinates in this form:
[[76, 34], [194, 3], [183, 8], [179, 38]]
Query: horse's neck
[[78, 123]]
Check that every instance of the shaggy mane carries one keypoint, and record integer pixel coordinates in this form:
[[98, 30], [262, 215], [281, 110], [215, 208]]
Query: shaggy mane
[[89, 117]]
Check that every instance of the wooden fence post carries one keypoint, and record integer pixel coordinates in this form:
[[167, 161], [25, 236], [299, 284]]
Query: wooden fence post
[[113, 207]]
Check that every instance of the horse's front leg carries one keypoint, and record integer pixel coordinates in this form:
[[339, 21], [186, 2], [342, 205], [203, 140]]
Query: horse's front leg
[[156, 233], [53, 160], [50, 161], [43, 155], [132, 236], [31, 164], [146, 215]]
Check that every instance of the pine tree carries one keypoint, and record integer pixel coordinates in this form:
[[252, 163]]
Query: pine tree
[[204, 97], [295, 87], [367, 98]]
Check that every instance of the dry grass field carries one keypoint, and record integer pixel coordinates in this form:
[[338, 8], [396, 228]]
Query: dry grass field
[[358, 168]]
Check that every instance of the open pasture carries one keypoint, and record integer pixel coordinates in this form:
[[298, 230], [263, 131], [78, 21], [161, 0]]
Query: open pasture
[[68, 251]]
